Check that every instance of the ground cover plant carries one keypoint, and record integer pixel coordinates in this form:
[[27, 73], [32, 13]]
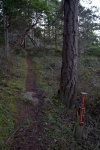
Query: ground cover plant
[[59, 126], [10, 86]]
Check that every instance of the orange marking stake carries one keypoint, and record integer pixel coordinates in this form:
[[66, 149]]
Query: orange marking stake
[[83, 109], [81, 116]]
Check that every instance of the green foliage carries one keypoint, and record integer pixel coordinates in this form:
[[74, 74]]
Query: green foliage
[[94, 51], [40, 6], [11, 6], [7, 117], [6, 123], [57, 129], [88, 28]]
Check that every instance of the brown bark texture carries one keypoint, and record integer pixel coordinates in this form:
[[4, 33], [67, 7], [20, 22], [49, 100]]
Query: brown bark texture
[[70, 53]]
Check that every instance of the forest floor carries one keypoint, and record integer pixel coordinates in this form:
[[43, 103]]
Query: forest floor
[[45, 124]]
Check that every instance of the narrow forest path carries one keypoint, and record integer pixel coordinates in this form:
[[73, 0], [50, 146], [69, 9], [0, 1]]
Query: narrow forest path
[[30, 116]]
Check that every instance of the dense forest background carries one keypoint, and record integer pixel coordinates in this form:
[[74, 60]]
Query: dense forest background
[[35, 27]]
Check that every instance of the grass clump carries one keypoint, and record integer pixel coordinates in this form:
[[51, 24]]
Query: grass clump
[[6, 123], [58, 126]]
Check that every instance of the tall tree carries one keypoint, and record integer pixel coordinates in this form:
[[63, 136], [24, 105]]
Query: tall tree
[[20, 17], [10, 10], [88, 27], [69, 53]]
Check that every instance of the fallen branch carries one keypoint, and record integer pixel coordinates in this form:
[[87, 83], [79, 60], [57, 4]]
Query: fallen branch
[[10, 137]]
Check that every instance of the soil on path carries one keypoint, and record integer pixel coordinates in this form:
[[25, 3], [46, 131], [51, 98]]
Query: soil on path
[[30, 116]]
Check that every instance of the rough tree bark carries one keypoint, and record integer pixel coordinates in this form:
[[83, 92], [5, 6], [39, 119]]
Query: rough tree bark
[[70, 53]]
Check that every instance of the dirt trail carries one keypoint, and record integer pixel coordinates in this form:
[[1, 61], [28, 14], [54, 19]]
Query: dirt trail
[[28, 137], [31, 82]]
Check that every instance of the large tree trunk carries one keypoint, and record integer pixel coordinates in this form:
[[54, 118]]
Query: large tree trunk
[[70, 53]]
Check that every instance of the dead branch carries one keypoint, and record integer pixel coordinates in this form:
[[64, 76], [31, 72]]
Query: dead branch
[[20, 40], [33, 41]]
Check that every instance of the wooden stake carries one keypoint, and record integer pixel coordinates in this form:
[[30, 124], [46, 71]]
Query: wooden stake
[[81, 116]]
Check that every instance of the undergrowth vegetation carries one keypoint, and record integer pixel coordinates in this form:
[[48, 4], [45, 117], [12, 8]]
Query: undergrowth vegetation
[[12, 83], [48, 72], [59, 126], [89, 79]]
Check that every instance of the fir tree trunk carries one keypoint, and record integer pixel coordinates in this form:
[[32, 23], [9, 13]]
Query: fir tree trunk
[[70, 53]]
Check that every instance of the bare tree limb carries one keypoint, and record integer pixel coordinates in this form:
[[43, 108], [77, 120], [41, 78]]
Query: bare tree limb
[[20, 40]]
